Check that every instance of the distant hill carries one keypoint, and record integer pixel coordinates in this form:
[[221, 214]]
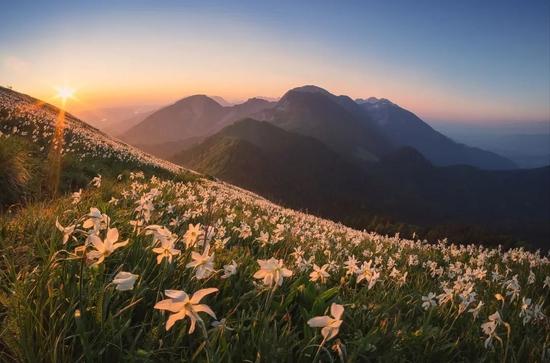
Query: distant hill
[[404, 128], [404, 186], [285, 166], [190, 117]]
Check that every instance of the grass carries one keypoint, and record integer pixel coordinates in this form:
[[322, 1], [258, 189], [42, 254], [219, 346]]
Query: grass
[[55, 308]]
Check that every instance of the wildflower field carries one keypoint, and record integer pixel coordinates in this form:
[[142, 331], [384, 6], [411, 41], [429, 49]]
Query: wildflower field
[[138, 260]]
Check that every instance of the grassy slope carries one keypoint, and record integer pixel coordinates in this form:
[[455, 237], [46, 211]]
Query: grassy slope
[[56, 308], [43, 284]]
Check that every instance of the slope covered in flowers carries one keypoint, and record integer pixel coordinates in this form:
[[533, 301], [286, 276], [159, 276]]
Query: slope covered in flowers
[[179, 268], [22, 115]]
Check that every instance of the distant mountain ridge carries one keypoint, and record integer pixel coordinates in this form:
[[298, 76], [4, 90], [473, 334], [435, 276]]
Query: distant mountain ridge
[[192, 116], [302, 172], [363, 130], [404, 128]]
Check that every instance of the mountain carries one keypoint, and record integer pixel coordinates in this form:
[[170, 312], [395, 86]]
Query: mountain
[[404, 128], [337, 121], [190, 117], [278, 164], [302, 172]]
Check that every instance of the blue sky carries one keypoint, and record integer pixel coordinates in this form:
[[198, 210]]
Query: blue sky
[[456, 60]]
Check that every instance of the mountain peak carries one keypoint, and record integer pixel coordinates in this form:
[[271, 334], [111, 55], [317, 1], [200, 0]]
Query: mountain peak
[[199, 99], [374, 101], [255, 100], [311, 89]]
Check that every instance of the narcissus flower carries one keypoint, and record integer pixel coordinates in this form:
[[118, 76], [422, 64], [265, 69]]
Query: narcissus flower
[[330, 324], [229, 270], [106, 247], [181, 305], [96, 220], [203, 263], [166, 250], [96, 181], [125, 280], [272, 272], [319, 273], [429, 301], [190, 237], [67, 231]]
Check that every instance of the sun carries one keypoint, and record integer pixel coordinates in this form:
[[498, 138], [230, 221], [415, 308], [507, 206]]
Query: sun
[[65, 93]]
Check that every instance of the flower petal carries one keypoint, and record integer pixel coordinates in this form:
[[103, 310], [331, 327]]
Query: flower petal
[[319, 321], [336, 310], [197, 296]]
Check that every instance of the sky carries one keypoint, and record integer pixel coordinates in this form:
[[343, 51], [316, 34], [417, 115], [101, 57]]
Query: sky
[[463, 61]]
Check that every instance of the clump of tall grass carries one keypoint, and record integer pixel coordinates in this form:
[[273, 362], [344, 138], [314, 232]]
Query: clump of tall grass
[[17, 172]]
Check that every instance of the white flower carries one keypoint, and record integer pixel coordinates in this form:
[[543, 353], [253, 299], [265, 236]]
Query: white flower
[[263, 239], [181, 306], [272, 272], [104, 248], [229, 270], [67, 231], [475, 311], [330, 324], [319, 273], [351, 265], [203, 263], [193, 233], [166, 250], [96, 221], [546, 282], [531, 278], [429, 301], [367, 273], [490, 327], [96, 181], [125, 280]]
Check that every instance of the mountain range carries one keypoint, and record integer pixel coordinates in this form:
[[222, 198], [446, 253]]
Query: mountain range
[[364, 130], [301, 172], [355, 161]]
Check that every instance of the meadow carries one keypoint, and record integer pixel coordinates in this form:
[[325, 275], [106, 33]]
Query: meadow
[[138, 260]]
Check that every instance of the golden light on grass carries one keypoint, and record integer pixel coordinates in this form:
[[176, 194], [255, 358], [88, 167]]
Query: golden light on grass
[[64, 93]]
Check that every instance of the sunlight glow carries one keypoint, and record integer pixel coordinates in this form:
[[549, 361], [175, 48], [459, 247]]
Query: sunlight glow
[[65, 93]]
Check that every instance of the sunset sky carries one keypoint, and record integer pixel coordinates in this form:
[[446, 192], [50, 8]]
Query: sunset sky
[[451, 60]]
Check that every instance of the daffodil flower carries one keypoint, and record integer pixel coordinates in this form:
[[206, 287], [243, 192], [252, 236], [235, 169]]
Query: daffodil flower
[[272, 272], [190, 237], [96, 220], [319, 273], [104, 248], [330, 324], [230, 269], [67, 231], [181, 305], [166, 250], [203, 263], [125, 280]]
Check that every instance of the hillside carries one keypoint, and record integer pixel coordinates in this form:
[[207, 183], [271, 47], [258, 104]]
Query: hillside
[[404, 128], [277, 164], [156, 265], [403, 186]]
